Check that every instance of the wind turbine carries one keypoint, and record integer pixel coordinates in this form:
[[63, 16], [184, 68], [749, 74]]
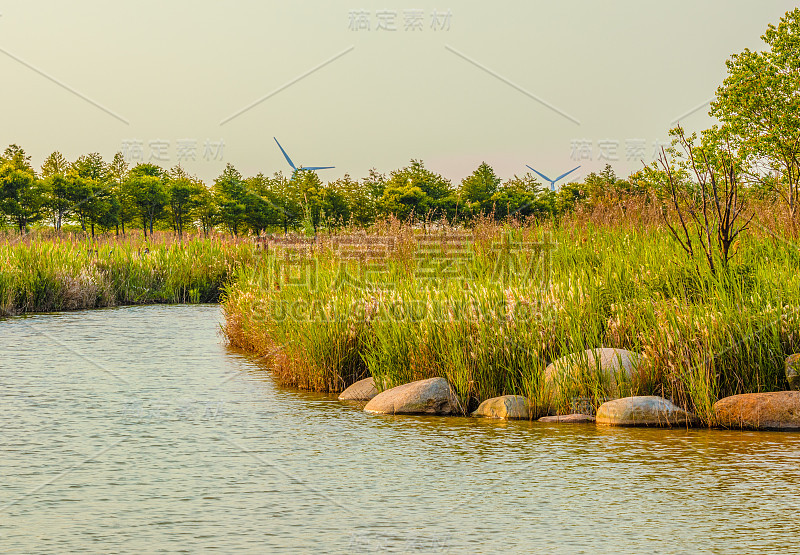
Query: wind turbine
[[295, 168], [553, 181]]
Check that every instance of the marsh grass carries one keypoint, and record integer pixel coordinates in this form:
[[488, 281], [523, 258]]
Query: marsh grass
[[492, 327], [488, 314], [68, 273]]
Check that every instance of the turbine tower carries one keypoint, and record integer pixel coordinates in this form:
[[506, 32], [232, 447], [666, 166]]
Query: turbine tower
[[295, 168], [553, 181]]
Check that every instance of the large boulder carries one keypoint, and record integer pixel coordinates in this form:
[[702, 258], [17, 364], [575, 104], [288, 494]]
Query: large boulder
[[362, 390], [507, 407], [778, 410], [431, 396], [793, 371], [648, 410], [567, 419], [606, 365]]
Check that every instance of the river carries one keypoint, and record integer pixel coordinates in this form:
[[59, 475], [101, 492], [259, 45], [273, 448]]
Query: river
[[137, 430]]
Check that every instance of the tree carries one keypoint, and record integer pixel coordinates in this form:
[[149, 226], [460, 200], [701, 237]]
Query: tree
[[184, 192], [309, 192], [261, 211], [374, 184], [54, 172], [521, 197], [347, 201], [230, 195], [404, 199], [58, 201], [416, 190], [477, 190], [146, 188], [206, 210], [364, 197], [759, 105], [22, 194], [55, 164], [284, 197], [118, 173], [95, 203], [705, 206]]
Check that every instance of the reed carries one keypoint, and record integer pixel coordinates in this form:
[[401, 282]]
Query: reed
[[491, 320], [45, 274]]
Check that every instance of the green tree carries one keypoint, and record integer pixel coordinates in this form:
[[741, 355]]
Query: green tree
[[286, 201], [55, 164], [230, 194], [477, 190], [416, 190], [118, 174], [95, 203], [206, 210], [146, 188], [759, 105], [22, 194], [261, 212], [308, 190], [54, 174], [521, 197], [348, 201], [374, 184], [184, 192], [363, 197]]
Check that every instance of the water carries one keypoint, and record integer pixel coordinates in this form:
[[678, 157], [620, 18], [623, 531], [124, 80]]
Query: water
[[136, 430]]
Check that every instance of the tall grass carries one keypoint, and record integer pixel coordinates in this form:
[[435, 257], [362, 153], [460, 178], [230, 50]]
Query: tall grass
[[68, 273], [492, 327]]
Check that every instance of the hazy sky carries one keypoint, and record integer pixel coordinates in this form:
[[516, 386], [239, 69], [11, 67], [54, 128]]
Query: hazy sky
[[546, 83]]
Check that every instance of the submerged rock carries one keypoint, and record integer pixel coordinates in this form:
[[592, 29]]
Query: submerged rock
[[610, 365], [362, 390], [507, 407], [793, 371], [431, 396], [649, 410], [777, 410], [567, 419]]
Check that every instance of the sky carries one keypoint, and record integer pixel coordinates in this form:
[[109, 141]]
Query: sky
[[205, 83]]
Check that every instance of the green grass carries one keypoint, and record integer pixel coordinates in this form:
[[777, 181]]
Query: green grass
[[69, 273], [492, 327], [488, 317]]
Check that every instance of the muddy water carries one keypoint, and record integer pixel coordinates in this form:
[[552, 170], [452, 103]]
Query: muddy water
[[137, 430]]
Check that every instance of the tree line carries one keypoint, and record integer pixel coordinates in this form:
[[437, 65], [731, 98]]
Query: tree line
[[102, 196]]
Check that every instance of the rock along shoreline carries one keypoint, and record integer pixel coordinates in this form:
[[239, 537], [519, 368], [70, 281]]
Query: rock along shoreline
[[774, 411]]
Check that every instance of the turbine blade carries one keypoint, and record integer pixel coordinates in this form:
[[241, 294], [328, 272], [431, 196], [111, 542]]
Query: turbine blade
[[314, 168], [286, 155], [543, 176], [565, 174]]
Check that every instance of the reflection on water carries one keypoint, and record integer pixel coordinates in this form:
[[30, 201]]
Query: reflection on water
[[135, 429]]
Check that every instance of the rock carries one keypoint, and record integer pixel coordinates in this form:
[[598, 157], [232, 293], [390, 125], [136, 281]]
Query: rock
[[778, 410], [793, 371], [567, 419], [648, 410], [362, 390], [431, 396], [507, 407], [612, 365]]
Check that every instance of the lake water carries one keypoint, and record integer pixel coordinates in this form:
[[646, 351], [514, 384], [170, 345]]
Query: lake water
[[136, 430]]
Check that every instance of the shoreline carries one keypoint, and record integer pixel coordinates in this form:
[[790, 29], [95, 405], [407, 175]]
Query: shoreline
[[546, 420]]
